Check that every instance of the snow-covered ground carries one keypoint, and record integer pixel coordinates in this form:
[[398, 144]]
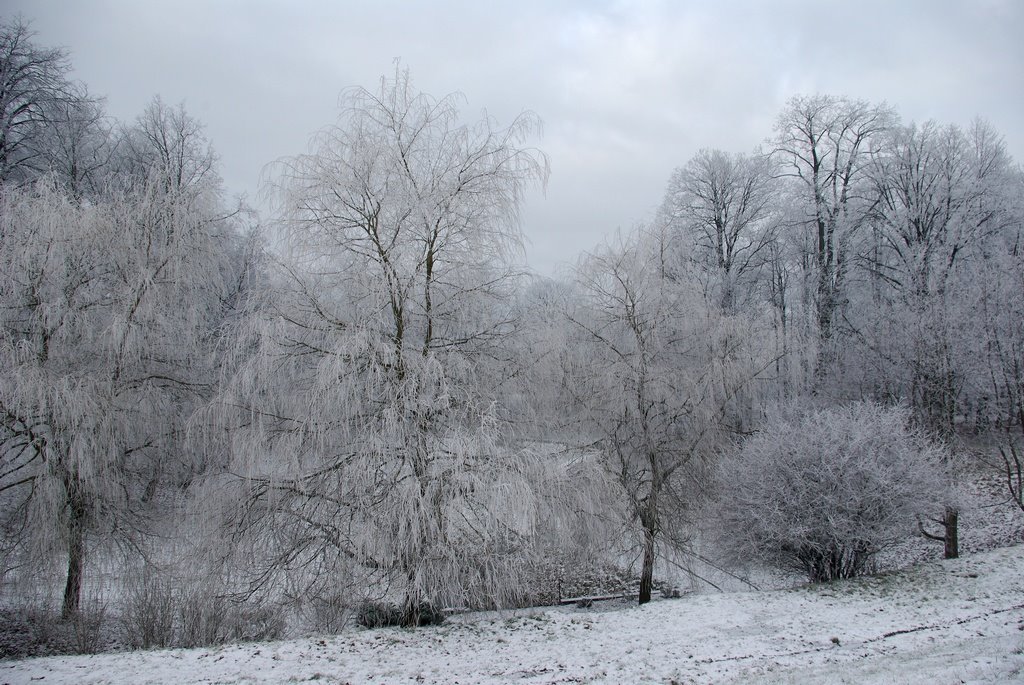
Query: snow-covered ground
[[956, 621]]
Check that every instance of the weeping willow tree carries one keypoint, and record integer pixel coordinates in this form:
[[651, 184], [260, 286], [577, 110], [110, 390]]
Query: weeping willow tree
[[108, 301], [55, 469], [364, 400], [105, 310]]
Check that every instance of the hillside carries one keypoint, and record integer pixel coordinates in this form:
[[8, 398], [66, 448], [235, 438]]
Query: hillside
[[958, 621]]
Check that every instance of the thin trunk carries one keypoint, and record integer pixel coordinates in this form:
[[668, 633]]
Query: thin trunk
[[647, 574]]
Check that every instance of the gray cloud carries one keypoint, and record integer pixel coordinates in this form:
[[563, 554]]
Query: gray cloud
[[627, 90]]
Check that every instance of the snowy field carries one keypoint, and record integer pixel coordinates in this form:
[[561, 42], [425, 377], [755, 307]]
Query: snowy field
[[956, 621]]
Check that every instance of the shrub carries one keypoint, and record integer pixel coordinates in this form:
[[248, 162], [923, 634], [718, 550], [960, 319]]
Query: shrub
[[31, 629], [823, 494], [329, 613], [88, 627], [373, 614], [378, 614], [149, 611], [203, 615], [257, 624], [427, 614], [161, 611], [559, 575]]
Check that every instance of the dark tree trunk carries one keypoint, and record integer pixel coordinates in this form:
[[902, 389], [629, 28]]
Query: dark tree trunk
[[951, 541], [76, 550], [647, 573], [950, 537]]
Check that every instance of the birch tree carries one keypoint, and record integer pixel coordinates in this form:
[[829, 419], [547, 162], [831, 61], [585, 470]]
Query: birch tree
[[370, 431]]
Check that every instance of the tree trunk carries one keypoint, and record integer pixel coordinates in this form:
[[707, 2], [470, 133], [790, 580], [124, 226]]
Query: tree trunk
[[411, 612], [647, 573], [76, 551], [951, 541], [411, 605]]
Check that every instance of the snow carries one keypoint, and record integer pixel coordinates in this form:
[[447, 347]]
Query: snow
[[958, 621]]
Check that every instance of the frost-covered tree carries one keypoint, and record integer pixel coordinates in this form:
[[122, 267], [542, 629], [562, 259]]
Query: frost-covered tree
[[78, 145], [939, 207], [34, 93], [659, 373], [822, 493], [54, 474], [718, 208], [370, 430], [168, 143], [995, 381], [922, 236], [107, 314], [822, 144], [107, 310]]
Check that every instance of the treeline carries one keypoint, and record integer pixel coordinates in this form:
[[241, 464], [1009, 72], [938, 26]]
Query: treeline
[[382, 401]]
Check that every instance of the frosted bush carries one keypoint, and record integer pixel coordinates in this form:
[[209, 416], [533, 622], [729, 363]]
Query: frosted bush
[[822, 494]]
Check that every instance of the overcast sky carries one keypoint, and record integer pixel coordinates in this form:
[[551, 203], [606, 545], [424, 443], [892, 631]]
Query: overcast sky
[[627, 90]]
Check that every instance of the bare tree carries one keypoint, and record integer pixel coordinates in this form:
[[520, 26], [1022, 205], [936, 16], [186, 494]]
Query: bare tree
[[931, 224], [996, 380], [167, 141], [78, 144], [369, 424], [106, 312], [822, 143], [659, 376], [33, 89], [719, 206]]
